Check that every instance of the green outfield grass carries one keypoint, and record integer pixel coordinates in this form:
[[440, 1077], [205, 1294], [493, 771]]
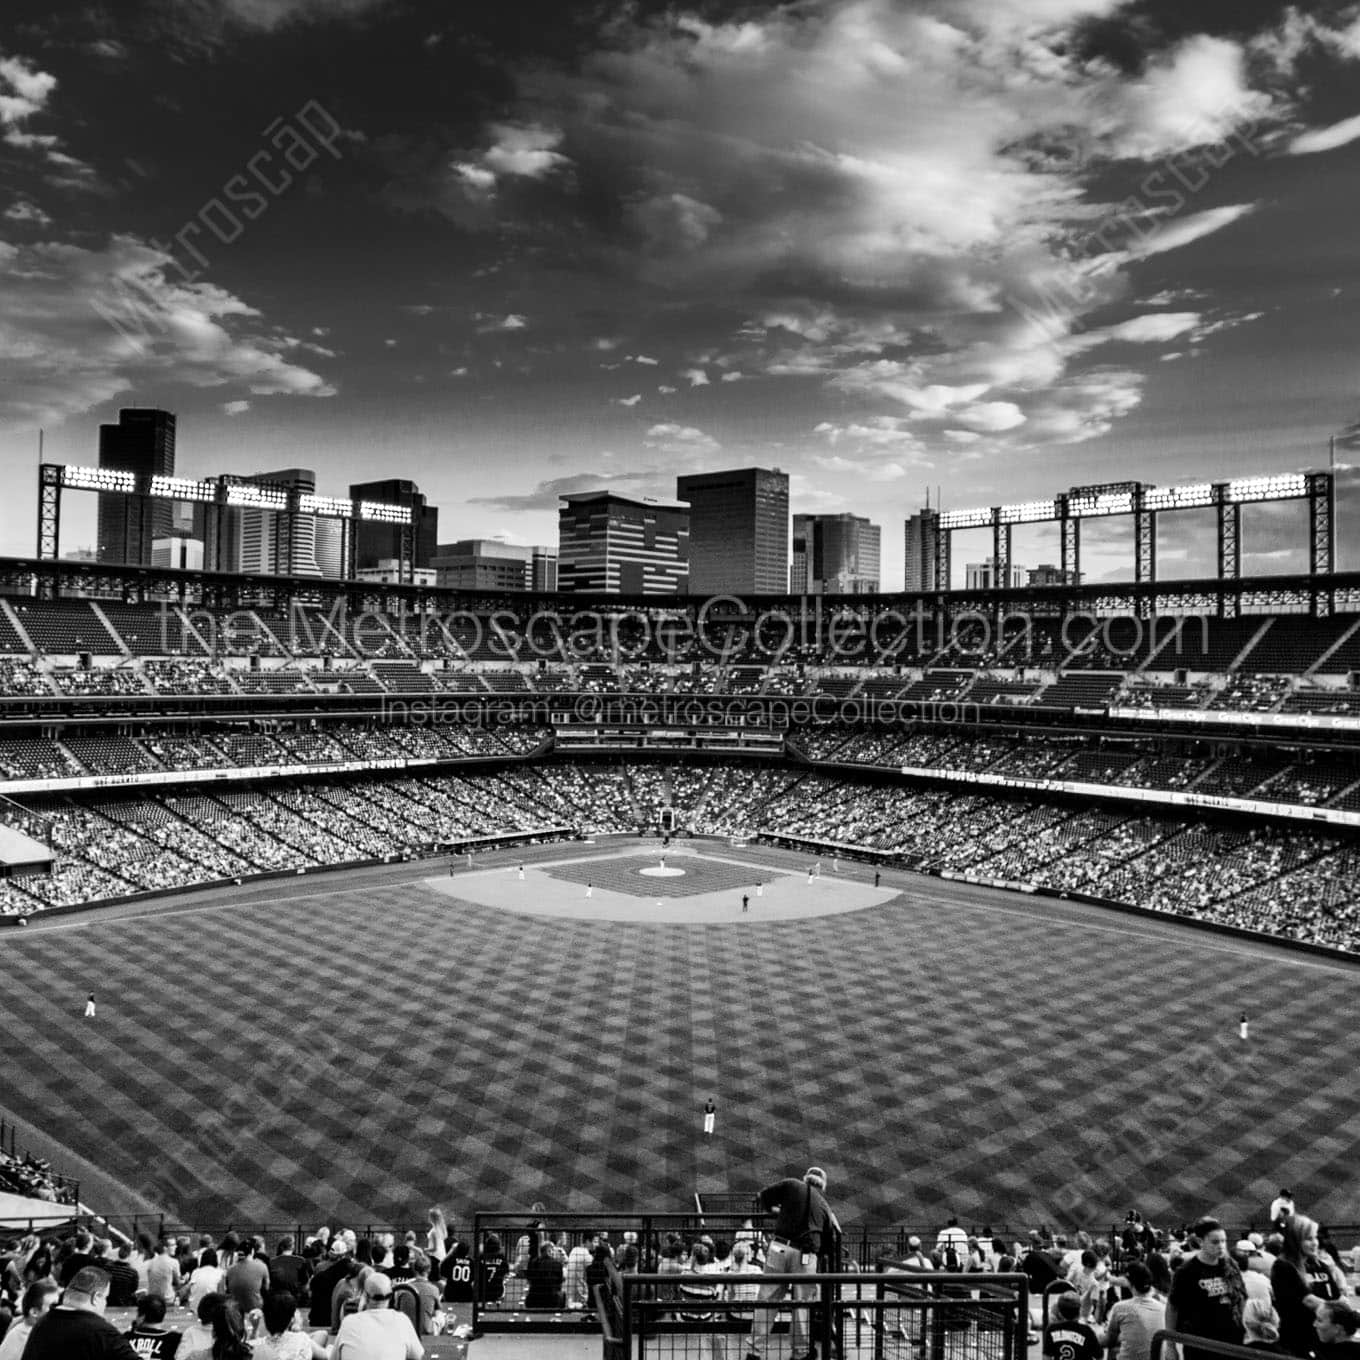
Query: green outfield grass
[[364, 1046]]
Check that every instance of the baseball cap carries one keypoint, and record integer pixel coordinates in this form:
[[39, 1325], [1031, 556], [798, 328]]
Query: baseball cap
[[816, 1175], [378, 1286]]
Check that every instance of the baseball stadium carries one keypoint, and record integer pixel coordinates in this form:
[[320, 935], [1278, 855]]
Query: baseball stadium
[[328, 902]]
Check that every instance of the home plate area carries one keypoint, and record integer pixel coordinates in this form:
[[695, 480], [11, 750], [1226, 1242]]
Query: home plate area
[[672, 887]]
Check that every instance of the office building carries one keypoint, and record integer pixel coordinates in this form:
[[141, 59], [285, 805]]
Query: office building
[[389, 573], [543, 571], [178, 553], [739, 531], [142, 442], [922, 537], [1046, 574], [622, 545], [835, 555], [483, 564], [268, 542], [982, 575], [330, 547], [376, 542]]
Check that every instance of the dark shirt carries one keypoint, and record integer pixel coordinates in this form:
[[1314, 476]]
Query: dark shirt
[[74, 1334], [1039, 1268], [289, 1273], [122, 1284], [804, 1215], [323, 1287], [545, 1276], [1296, 1318], [457, 1275], [153, 1343], [76, 1261], [1208, 1302], [1071, 1341], [494, 1270]]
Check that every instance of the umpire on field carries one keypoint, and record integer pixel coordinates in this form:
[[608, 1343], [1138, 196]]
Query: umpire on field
[[804, 1227]]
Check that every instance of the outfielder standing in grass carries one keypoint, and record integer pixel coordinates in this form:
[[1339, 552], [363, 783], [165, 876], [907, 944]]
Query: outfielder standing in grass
[[710, 1113]]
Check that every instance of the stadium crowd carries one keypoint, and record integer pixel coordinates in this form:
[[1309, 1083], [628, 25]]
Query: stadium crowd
[[1286, 1289], [1277, 880]]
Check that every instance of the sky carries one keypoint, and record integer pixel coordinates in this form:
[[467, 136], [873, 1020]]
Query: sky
[[994, 247]]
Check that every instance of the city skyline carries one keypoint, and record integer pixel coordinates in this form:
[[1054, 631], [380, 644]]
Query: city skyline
[[997, 248]]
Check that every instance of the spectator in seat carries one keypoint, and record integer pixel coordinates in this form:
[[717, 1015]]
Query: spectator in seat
[[326, 1279], [38, 1298], [229, 1337], [206, 1279], [1134, 1321], [1261, 1324], [376, 1330], [122, 1278], [198, 1336], [578, 1259], [278, 1340], [77, 1325], [437, 1235], [289, 1272], [456, 1272], [162, 1274], [81, 1257], [493, 1269], [546, 1276], [1068, 1337], [248, 1278], [149, 1337], [1337, 1327], [1303, 1279]]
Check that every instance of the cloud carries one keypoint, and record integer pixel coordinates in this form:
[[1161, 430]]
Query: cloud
[[665, 389], [732, 377], [272, 14], [1327, 138], [235, 408], [644, 359], [1183, 230], [522, 151], [25, 211], [24, 94], [82, 326], [672, 223], [672, 438], [871, 472], [696, 376], [626, 401]]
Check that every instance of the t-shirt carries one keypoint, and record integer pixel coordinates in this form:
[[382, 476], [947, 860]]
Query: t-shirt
[[153, 1344], [1296, 1318], [1208, 1300], [75, 1334], [1072, 1341], [162, 1277], [289, 1346], [804, 1215], [494, 1270], [290, 1273], [1132, 1324], [246, 1282], [12, 1347], [123, 1283], [377, 1334], [457, 1273]]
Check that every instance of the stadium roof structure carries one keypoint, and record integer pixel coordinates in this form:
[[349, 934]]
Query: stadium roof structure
[[20, 854]]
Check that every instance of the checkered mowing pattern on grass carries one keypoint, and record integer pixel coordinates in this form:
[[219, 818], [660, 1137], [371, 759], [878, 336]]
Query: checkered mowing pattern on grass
[[366, 1053]]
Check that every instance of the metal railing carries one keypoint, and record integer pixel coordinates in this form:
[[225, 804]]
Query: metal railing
[[890, 1315]]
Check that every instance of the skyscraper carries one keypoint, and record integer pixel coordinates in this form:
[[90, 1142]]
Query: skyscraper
[[143, 442], [922, 534], [839, 555], [622, 545], [376, 542], [263, 542], [739, 531]]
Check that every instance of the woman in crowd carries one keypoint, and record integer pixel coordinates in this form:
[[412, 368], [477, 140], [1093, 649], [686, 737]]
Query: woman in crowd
[[278, 1340], [437, 1237], [199, 1335], [228, 1339], [1303, 1279], [1261, 1327], [207, 1278]]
